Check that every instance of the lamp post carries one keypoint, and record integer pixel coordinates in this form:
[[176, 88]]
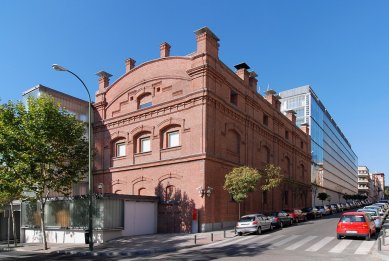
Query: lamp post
[[90, 180]]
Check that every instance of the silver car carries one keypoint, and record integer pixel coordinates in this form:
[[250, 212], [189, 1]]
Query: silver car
[[253, 223], [375, 215]]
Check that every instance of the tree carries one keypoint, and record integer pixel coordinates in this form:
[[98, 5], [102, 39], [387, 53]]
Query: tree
[[240, 181], [52, 151], [273, 177], [386, 192], [322, 196]]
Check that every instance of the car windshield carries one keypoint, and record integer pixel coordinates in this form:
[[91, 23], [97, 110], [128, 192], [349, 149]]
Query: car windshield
[[247, 219], [350, 218]]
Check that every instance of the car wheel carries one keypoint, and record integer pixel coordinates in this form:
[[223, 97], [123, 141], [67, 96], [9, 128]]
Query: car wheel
[[240, 233], [367, 238], [259, 231], [338, 236]]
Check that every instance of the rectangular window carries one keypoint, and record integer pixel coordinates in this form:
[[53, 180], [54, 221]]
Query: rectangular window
[[173, 139], [264, 194], [265, 119], [145, 145], [287, 135], [120, 149], [233, 97]]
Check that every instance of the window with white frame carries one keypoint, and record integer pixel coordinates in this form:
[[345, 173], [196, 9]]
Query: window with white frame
[[145, 145], [145, 101], [173, 139], [120, 149]]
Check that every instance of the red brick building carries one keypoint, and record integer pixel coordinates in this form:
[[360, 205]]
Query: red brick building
[[175, 126]]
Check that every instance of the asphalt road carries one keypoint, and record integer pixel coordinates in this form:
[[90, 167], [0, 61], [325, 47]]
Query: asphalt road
[[311, 240]]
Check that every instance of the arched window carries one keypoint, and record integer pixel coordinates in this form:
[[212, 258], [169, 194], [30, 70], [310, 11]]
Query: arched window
[[142, 142], [119, 148], [169, 192], [171, 137], [265, 155], [141, 191], [145, 101], [302, 171], [233, 141], [287, 167]]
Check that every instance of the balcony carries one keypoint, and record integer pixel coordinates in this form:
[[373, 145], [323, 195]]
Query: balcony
[[362, 187], [364, 181]]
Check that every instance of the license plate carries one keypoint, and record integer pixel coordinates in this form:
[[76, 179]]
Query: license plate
[[351, 232]]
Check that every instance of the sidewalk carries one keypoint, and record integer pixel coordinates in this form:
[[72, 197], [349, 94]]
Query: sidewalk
[[384, 240], [133, 245]]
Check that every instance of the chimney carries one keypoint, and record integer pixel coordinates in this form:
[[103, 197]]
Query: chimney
[[253, 80], [103, 80], [207, 42], [273, 99], [164, 49], [241, 71], [305, 128], [291, 114], [130, 64]]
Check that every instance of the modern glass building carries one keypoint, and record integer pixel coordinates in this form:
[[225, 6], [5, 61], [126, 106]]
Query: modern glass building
[[334, 163]]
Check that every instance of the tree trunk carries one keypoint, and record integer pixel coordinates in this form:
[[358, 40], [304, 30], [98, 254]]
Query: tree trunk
[[42, 212], [239, 210], [13, 225]]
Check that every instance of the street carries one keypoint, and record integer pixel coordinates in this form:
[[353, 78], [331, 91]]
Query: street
[[311, 240]]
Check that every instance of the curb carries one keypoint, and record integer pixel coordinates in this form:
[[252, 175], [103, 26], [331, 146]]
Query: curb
[[131, 253]]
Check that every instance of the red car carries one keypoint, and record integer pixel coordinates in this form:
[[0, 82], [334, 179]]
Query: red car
[[296, 214], [356, 224]]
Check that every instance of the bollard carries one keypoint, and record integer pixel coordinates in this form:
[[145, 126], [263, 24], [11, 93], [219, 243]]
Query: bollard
[[195, 239], [224, 234], [383, 236], [379, 244], [212, 237]]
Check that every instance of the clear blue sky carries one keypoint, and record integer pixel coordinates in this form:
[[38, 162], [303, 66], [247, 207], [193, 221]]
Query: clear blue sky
[[340, 48]]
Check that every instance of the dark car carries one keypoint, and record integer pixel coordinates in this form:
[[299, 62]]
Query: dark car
[[312, 213], [296, 214], [281, 219]]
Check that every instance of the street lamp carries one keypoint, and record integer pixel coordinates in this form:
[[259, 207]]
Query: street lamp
[[90, 180]]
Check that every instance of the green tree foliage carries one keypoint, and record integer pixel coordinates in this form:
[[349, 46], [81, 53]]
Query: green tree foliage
[[243, 180], [322, 196], [386, 192], [45, 148], [273, 177]]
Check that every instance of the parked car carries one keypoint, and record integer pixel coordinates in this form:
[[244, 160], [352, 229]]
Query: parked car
[[376, 216], [379, 208], [335, 208], [280, 219], [296, 214], [325, 210], [357, 224], [312, 213], [253, 223]]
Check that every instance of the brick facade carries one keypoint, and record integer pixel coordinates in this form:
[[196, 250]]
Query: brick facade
[[221, 122]]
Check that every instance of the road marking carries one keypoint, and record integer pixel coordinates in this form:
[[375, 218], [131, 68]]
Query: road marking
[[270, 239], [364, 248], [341, 246], [320, 244], [253, 239], [286, 240], [300, 243]]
